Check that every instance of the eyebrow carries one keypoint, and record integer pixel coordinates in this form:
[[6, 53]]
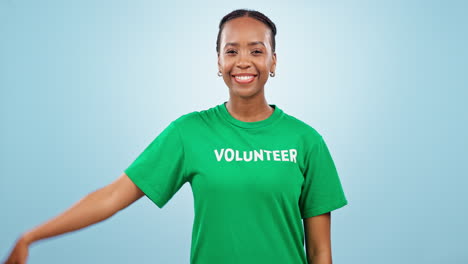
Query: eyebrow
[[249, 44]]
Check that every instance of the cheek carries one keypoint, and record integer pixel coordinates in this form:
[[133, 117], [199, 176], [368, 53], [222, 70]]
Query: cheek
[[262, 63], [227, 64]]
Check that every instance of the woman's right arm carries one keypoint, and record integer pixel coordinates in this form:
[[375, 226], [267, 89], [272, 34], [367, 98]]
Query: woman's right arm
[[93, 208]]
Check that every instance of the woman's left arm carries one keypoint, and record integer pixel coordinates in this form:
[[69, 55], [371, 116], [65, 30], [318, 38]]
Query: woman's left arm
[[317, 239]]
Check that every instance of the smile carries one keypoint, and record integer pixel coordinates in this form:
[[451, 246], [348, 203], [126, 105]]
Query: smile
[[244, 79]]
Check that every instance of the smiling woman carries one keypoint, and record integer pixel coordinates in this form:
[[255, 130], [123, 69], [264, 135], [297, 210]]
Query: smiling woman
[[249, 206], [246, 53]]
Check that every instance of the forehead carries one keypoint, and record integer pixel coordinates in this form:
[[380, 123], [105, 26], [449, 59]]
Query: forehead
[[245, 29]]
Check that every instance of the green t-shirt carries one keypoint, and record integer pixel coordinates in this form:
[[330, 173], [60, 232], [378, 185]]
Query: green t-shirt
[[252, 183]]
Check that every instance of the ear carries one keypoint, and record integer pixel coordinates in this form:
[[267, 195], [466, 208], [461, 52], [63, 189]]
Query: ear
[[273, 64], [219, 63]]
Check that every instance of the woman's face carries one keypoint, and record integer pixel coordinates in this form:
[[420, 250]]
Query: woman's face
[[245, 49]]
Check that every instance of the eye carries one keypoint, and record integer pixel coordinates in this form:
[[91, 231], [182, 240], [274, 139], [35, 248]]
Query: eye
[[230, 51], [258, 51]]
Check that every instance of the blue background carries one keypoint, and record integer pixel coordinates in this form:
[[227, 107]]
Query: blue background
[[86, 86]]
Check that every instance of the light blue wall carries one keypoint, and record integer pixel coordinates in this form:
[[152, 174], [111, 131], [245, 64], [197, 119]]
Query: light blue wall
[[86, 85]]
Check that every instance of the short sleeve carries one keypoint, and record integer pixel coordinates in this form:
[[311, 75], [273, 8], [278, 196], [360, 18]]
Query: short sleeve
[[159, 170], [322, 191]]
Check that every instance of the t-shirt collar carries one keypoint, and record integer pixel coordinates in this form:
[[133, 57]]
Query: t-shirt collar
[[277, 112]]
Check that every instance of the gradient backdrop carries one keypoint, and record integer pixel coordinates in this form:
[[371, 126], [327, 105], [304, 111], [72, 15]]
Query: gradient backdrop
[[87, 85]]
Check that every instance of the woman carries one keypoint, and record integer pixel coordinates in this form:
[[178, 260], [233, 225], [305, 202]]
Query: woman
[[255, 171]]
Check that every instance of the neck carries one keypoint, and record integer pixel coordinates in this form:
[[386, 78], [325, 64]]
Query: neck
[[249, 110]]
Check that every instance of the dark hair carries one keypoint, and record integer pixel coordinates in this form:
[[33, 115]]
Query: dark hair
[[247, 13]]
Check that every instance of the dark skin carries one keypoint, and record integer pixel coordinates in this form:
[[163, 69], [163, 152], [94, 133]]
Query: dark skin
[[317, 238], [247, 103]]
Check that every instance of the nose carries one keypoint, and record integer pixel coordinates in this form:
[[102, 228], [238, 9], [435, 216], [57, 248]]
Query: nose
[[243, 61]]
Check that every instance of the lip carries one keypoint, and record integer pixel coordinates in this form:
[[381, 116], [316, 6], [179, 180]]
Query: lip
[[244, 74], [242, 81]]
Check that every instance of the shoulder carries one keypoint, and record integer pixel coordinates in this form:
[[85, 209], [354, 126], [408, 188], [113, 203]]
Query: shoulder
[[195, 118], [186, 119], [305, 130]]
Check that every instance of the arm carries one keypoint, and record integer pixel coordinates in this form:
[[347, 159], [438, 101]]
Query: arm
[[317, 238], [93, 208]]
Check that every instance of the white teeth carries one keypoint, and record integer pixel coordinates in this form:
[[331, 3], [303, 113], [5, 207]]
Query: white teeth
[[244, 77]]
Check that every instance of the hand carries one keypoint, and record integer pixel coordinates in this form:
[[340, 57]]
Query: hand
[[20, 252]]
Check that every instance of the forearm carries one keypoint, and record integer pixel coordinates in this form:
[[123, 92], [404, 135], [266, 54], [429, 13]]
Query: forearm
[[93, 208]]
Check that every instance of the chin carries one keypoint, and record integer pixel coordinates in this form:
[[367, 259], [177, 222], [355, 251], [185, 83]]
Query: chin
[[245, 92]]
